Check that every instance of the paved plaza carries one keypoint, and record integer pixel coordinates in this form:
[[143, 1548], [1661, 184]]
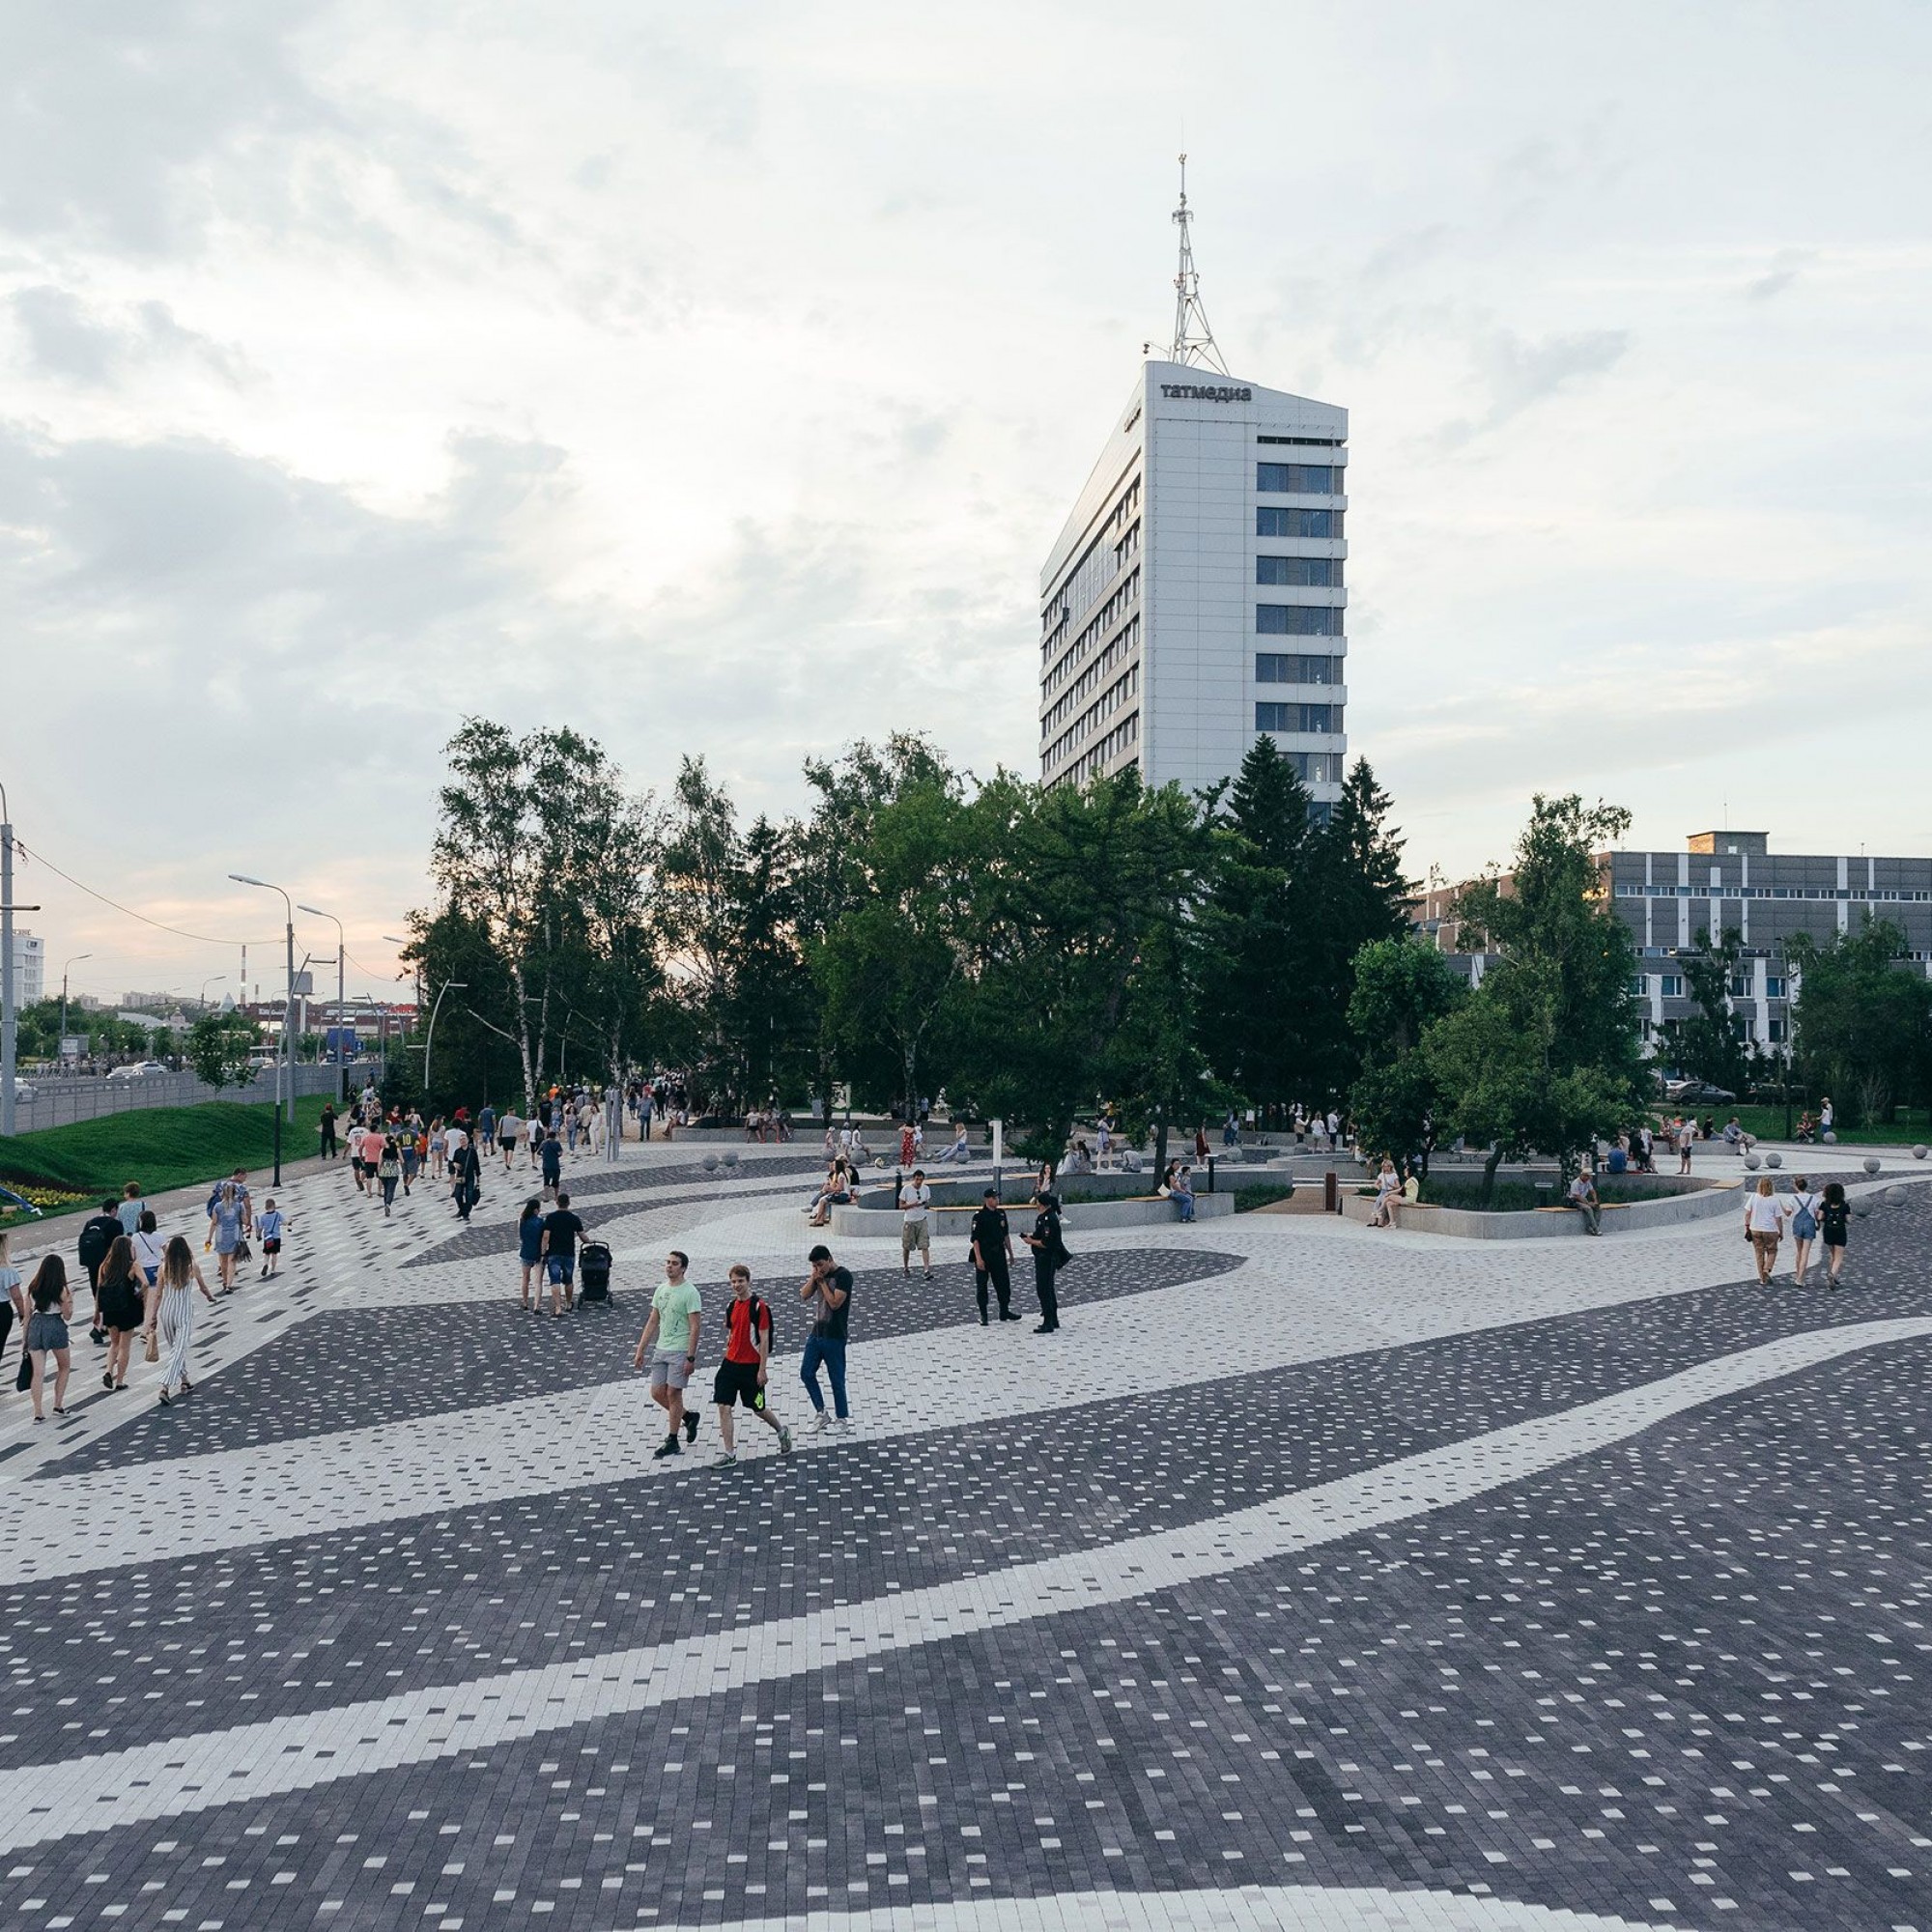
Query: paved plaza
[[1311, 1575]]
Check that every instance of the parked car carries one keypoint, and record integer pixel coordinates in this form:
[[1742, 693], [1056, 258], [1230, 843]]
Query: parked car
[[1698, 1094], [24, 1092], [138, 1070]]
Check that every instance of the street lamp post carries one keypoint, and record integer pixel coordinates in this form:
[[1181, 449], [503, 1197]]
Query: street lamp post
[[213, 979], [341, 954], [7, 909], [61, 1049], [289, 934], [429, 1039]]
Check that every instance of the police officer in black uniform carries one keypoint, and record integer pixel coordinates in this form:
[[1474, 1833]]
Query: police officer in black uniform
[[992, 1256], [1049, 1253]]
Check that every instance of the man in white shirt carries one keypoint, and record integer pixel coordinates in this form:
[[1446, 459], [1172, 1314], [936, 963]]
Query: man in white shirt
[[915, 1223]]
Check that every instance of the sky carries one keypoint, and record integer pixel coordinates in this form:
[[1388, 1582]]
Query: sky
[[715, 380]]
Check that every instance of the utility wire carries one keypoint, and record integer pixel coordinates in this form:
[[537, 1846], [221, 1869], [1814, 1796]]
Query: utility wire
[[160, 926]]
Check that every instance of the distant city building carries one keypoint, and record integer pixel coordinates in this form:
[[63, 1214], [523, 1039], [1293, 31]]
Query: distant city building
[[1729, 882], [1194, 601], [30, 968]]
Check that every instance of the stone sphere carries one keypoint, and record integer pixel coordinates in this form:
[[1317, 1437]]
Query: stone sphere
[[709, 1163], [1862, 1206], [1752, 1162], [1830, 1136], [1919, 1152], [1872, 1163], [1894, 1197], [731, 1159], [1774, 1160]]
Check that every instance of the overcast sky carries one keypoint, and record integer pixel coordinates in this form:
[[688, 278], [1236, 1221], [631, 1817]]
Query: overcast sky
[[715, 379]]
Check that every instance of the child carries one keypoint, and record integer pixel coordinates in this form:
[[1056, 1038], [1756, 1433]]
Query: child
[[269, 1227]]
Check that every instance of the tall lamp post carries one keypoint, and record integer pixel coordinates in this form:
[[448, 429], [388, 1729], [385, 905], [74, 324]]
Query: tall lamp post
[[341, 954], [429, 1039], [6, 911], [288, 935], [213, 979], [61, 1049]]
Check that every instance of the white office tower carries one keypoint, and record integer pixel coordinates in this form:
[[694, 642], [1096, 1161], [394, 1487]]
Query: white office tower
[[1195, 598]]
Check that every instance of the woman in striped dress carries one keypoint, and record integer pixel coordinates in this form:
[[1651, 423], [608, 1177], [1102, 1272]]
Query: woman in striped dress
[[172, 1314]]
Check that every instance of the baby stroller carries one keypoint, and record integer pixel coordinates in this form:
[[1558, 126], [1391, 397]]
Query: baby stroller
[[594, 1272]]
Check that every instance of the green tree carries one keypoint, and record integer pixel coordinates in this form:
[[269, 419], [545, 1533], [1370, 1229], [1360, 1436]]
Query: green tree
[[1707, 1045], [1546, 1054], [218, 1048], [1863, 1021], [1403, 986]]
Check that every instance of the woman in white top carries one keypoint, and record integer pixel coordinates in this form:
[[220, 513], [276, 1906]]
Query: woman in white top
[[1803, 1226], [1764, 1227], [1388, 1187]]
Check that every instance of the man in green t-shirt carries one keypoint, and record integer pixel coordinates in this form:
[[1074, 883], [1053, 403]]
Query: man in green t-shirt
[[675, 1314]]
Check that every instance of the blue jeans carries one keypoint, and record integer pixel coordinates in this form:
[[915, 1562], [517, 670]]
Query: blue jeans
[[1185, 1204], [832, 1352]]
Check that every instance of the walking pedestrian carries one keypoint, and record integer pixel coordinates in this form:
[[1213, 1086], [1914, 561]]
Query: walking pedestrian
[[225, 1232], [388, 1171], [468, 1188], [97, 1236], [358, 1139], [1764, 1228], [1834, 1220], [671, 1335], [509, 1131], [12, 1295], [529, 1248], [123, 1309], [1804, 1213], [992, 1250], [741, 1374], [329, 1146], [553, 1163], [129, 1211], [562, 1231], [828, 1291], [149, 1248], [915, 1223], [172, 1317], [1049, 1257], [486, 1128], [52, 1303], [1686, 1137]]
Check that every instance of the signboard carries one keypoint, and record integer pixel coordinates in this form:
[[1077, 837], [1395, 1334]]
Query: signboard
[[305, 985], [72, 1045]]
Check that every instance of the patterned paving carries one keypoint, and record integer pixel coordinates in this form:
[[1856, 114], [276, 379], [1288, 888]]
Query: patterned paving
[[1310, 1576]]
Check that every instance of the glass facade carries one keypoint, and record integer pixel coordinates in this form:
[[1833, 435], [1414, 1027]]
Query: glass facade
[[1326, 571], [1271, 520], [1298, 621], [1297, 479], [1281, 668], [1320, 719]]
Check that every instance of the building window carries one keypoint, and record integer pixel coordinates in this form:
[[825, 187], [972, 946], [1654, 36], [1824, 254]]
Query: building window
[[1271, 521], [1305, 441], [1298, 620], [1282, 668], [1740, 986], [1774, 989], [1637, 984], [1319, 718], [1322, 571], [1777, 1032], [1297, 479], [1672, 985]]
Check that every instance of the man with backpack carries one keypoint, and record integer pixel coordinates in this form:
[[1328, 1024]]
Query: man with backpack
[[97, 1235], [741, 1374]]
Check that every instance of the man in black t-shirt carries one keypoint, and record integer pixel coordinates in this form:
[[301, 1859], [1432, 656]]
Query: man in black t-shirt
[[828, 1290], [561, 1232], [992, 1256]]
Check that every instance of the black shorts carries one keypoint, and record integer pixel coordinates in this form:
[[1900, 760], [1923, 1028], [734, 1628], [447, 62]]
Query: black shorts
[[737, 1382], [272, 1245], [357, 1161]]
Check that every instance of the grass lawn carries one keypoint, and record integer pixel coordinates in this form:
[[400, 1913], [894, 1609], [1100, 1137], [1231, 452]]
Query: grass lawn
[[1912, 1124], [1260, 1194], [157, 1147]]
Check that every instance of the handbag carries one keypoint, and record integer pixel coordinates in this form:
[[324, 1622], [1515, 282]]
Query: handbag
[[243, 1251], [153, 1351], [24, 1379]]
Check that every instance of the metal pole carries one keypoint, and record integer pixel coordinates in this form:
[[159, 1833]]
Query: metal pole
[[287, 1020]]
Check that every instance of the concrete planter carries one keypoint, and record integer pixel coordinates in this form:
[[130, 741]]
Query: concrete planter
[[1538, 1224], [1133, 1211]]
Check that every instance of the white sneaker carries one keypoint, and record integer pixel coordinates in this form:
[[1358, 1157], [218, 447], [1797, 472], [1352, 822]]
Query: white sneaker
[[726, 1455], [844, 1424], [817, 1421]]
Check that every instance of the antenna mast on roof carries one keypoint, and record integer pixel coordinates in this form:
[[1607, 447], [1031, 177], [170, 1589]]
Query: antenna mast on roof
[[1193, 333]]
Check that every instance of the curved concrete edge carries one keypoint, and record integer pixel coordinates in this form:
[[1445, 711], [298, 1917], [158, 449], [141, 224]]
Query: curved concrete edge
[[1148, 1211], [1538, 1224]]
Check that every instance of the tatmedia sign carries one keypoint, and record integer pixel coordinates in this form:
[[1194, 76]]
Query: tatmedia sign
[[1203, 392]]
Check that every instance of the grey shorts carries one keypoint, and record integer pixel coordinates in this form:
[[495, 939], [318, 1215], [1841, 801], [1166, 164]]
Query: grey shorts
[[670, 1371], [914, 1235]]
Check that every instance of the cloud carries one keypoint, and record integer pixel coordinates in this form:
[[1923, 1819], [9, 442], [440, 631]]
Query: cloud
[[1519, 374], [67, 338], [1784, 269]]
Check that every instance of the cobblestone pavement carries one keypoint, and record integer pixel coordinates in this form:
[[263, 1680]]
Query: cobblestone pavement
[[1310, 1576]]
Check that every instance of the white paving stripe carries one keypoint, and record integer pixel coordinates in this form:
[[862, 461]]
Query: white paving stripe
[[1251, 1908], [904, 1384], [194, 1772]]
